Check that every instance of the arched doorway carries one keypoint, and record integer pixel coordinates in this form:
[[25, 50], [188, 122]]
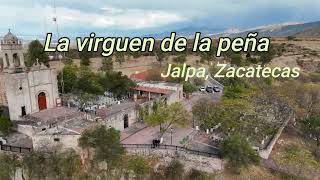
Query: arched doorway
[[125, 121], [16, 60], [42, 101]]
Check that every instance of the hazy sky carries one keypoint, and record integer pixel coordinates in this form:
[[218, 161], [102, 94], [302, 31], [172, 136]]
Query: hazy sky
[[139, 17]]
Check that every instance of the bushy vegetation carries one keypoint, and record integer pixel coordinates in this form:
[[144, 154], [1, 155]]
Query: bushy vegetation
[[83, 80], [106, 144], [5, 125], [238, 152], [35, 51], [175, 170], [312, 127], [139, 166], [199, 175]]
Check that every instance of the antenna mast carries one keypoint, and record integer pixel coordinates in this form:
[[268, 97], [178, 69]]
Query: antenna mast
[[55, 20]]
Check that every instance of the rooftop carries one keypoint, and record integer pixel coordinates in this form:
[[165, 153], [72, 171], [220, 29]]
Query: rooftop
[[54, 115], [79, 125], [152, 90], [105, 112], [58, 131], [158, 83]]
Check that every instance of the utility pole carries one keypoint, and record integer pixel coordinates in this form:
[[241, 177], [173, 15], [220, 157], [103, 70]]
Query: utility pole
[[171, 130]]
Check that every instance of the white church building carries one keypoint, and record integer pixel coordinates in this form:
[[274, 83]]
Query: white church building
[[24, 90]]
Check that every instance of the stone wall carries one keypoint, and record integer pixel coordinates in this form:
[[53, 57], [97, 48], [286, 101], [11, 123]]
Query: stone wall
[[190, 161], [51, 141], [265, 153]]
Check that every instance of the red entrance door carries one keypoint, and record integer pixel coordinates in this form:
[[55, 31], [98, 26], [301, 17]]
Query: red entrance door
[[42, 101]]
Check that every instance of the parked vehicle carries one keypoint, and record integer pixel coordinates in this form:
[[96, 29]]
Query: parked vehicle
[[216, 89], [209, 89], [202, 89]]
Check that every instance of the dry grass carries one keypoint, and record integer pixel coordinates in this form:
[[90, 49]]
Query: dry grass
[[309, 43], [293, 154], [253, 172], [131, 65]]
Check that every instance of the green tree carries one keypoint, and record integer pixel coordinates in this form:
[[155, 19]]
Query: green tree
[[238, 152], [106, 144], [181, 58], [8, 166], [266, 57], [236, 59], [85, 57], [189, 87], [120, 85], [312, 128], [107, 64], [70, 78], [36, 51], [168, 116], [206, 113], [139, 166], [175, 170], [236, 87], [227, 113], [5, 125], [88, 81]]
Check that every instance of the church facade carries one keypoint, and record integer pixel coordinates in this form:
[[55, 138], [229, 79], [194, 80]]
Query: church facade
[[26, 90]]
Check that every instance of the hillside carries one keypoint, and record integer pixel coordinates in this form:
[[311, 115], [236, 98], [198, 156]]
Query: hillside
[[311, 29], [301, 30]]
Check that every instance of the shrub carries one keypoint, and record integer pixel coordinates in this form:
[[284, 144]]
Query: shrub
[[175, 170], [238, 152]]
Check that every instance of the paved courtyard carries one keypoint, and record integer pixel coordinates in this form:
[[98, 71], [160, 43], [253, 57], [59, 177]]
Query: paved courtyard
[[142, 134], [147, 134], [19, 139]]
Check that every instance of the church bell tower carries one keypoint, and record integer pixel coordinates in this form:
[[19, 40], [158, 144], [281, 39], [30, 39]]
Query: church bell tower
[[12, 53]]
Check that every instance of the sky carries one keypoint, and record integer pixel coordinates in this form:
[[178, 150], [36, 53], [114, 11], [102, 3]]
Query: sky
[[33, 18]]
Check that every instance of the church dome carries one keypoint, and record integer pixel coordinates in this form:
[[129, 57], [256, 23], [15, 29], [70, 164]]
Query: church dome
[[10, 38]]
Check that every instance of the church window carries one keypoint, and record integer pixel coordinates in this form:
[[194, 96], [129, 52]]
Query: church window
[[23, 111]]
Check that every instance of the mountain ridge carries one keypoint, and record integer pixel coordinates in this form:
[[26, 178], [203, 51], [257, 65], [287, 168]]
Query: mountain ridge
[[299, 29]]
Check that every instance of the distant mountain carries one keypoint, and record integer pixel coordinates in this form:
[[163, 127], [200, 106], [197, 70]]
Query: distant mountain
[[311, 29], [188, 32], [300, 30]]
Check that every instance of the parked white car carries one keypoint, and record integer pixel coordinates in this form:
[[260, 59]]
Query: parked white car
[[202, 89]]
